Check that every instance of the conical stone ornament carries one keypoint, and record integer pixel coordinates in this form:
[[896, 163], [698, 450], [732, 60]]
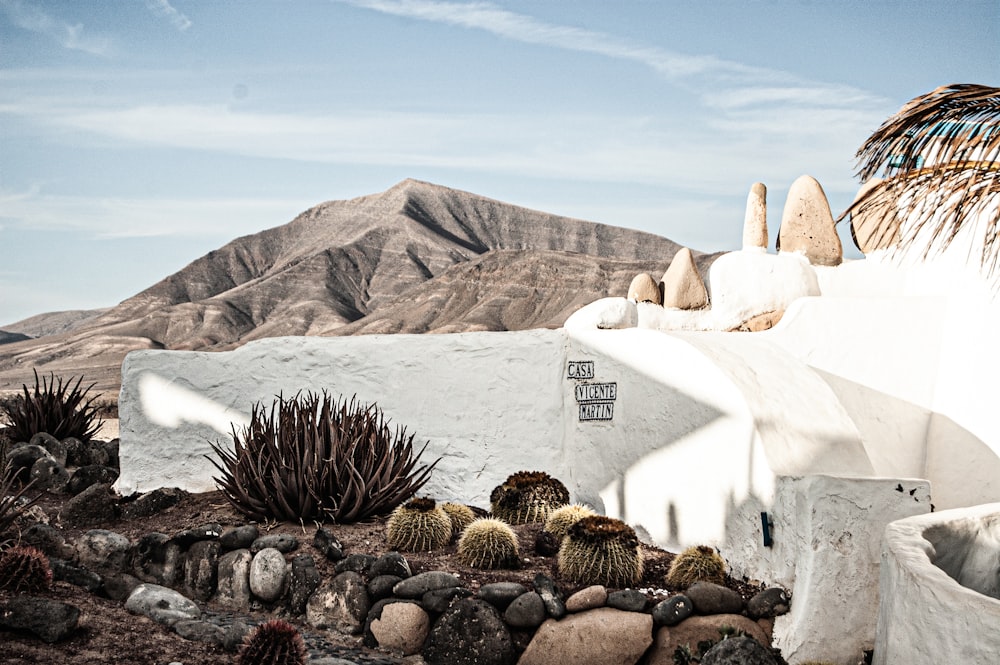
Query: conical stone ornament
[[683, 287], [644, 289], [755, 219], [807, 224]]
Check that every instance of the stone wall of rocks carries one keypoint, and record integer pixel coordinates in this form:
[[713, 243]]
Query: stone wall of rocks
[[241, 571]]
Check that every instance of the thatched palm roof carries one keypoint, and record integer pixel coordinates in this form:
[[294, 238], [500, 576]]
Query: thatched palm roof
[[929, 169]]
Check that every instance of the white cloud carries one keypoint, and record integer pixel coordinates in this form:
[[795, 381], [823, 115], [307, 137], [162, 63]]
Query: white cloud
[[132, 217], [701, 155], [519, 27], [165, 9], [29, 17]]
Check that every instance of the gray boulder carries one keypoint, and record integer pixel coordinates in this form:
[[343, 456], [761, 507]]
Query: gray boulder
[[161, 604], [103, 551], [234, 579], [268, 574], [201, 567], [50, 620], [302, 583], [87, 476], [739, 651], [49, 474], [341, 604], [470, 632]]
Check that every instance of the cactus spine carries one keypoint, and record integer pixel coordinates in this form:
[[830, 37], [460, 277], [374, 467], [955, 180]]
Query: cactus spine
[[696, 564], [418, 525], [489, 543], [24, 568], [527, 497], [561, 519], [601, 550], [274, 642], [460, 515]]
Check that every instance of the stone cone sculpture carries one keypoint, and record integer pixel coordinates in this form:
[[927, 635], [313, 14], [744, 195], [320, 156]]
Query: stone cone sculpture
[[644, 289], [683, 287], [755, 219], [807, 224]]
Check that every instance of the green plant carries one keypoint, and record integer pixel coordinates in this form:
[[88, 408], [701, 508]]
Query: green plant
[[489, 543], [527, 497], [696, 564], [561, 519], [24, 568], [12, 505], [418, 525], [274, 642], [461, 516], [57, 408], [313, 458], [601, 550]]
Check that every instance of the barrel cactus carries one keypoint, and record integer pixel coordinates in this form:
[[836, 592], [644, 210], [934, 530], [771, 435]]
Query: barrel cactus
[[489, 543], [418, 525], [601, 550], [700, 563], [527, 497], [460, 515], [274, 642], [561, 519], [24, 568]]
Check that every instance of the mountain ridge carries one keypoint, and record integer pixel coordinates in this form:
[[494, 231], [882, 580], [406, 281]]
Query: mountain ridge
[[398, 257]]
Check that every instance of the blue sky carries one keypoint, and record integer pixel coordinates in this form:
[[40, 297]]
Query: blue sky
[[137, 135]]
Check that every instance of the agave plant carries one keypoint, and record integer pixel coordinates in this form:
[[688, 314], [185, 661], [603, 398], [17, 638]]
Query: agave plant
[[930, 169], [57, 408], [313, 458], [12, 505]]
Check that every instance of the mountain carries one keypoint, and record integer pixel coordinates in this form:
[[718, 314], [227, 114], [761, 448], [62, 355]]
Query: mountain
[[7, 337], [416, 258], [53, 323]]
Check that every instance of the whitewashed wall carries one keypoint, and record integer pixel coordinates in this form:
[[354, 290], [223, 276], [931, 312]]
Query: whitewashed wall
[[927, 615]]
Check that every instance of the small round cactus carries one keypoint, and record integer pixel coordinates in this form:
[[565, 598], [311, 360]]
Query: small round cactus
[[274, 642], [418, 525], [561, 519], [489, 543], [601, 550], [696, 564], [24, 568], [527, 497], [460, 515]]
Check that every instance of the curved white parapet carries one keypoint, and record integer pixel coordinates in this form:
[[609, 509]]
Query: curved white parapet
[[930, 610]]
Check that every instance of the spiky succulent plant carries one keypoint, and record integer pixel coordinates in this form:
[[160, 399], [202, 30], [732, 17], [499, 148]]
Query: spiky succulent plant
[[700, 563], [461, 516], [274, 642], [489, 543], [601, 550], [316, 458], [527, 497], [418, 525], [561, 519], [24, 568]]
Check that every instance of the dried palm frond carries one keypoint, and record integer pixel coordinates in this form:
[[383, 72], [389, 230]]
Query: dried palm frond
[[939, 158]]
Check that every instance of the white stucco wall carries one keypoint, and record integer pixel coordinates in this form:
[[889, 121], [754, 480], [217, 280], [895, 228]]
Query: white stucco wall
[[827, 533], [488, 404], [927, 615]]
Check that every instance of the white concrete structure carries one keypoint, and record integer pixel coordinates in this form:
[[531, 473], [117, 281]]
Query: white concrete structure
[[940, 589], [866, 404]]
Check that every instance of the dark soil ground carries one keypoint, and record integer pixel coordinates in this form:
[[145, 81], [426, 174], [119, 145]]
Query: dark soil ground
[[109, 634]]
